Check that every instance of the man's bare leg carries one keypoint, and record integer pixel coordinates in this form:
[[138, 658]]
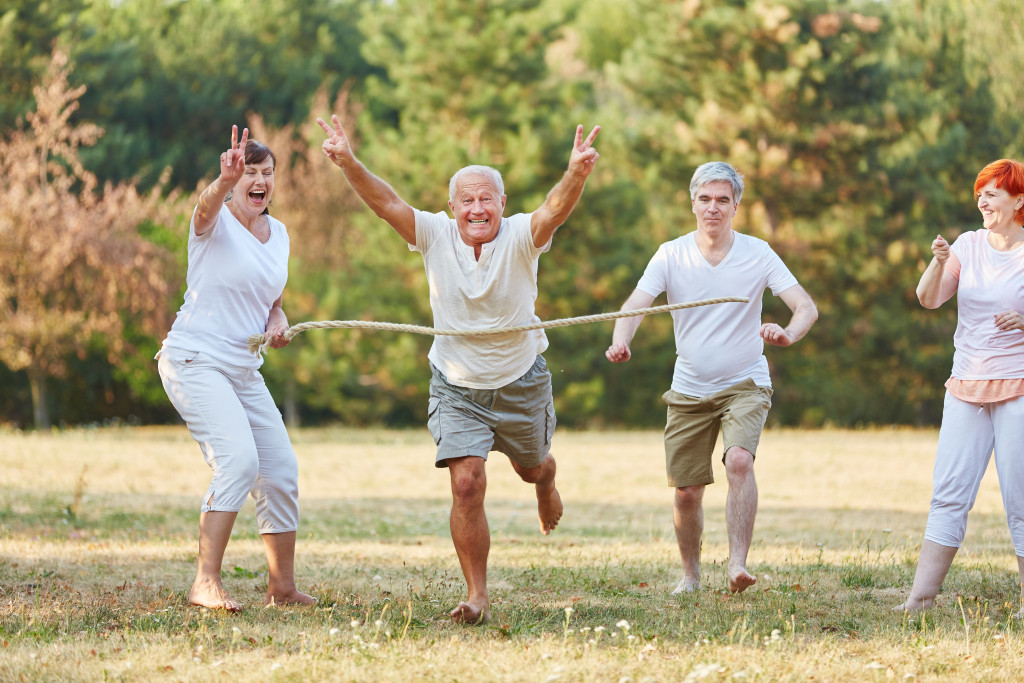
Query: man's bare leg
[[932, 568], [688, 520], [549, 503], [281, 588], [470, 535], [740, 511], [208, 589]]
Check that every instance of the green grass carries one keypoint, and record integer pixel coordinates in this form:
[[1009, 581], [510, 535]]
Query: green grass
[[96, 561]]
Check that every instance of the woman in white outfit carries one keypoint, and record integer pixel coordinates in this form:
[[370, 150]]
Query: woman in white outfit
[[237, 268], [984, 405]]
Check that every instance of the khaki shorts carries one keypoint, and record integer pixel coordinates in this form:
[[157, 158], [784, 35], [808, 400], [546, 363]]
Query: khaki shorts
[[693, 424], [518, 419]]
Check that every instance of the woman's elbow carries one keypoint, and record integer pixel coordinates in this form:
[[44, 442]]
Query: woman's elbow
[[928, 301]]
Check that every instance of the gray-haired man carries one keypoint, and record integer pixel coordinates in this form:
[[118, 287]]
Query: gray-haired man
[[721, 380], [487, 392]]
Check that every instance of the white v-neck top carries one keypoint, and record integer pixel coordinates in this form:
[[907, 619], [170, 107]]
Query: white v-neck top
[[991, 282], [718, 345], [232, 282], [499, 290]]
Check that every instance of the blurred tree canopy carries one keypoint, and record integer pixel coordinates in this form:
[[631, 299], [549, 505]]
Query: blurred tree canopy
[[859, 126]]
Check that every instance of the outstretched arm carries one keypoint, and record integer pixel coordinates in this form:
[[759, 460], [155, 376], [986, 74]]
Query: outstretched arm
[[937, 286], [232, 168], [562, 198], [804, 315], [374, 192], [625, 328]]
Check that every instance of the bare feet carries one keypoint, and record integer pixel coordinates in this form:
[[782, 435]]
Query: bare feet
[[740, 579], [211, 594], [686, 585], [292, 597], [469, 614], [914, 605], [549, 508]]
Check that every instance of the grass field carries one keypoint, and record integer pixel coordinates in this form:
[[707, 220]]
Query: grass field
[[98, 548]]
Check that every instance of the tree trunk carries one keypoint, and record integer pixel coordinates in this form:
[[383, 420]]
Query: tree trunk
[[40, 412], [291, 403]]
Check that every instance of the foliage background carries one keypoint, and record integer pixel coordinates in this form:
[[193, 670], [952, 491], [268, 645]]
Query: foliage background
[[860, 127]]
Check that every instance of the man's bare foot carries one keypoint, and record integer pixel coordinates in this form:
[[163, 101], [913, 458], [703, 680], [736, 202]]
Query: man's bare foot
[[470, 615], [740, 580], [211, 594], [549, 508], [293, 597], [914, 605], [687, 584]]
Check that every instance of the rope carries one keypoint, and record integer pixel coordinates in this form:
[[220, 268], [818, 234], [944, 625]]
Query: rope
[[258, 342]]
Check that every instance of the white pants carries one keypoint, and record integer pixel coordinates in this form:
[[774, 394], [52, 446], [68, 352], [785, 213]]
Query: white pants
[[968, 436], [230, 413]]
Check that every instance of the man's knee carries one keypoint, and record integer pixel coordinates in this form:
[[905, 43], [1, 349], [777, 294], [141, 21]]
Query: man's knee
[[469, 480], [689, 497], [739, 462], [532, 475]]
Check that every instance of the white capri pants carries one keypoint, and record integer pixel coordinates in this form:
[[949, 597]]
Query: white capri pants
[[230, 413], [969, 433]]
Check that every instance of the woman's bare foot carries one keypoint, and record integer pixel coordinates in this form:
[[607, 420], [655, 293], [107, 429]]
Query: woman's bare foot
[[549, 508], [740, 579], [292, 597], [470, 615], [211, 594]]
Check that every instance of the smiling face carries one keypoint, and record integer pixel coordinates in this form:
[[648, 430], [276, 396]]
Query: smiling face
[[714, 207], [477, 206], [252, 194], [998, 206]]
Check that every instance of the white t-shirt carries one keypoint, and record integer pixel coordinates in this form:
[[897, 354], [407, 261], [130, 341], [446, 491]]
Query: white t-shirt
[[499, 290], [991, 281], [719, 345], [232, 282]]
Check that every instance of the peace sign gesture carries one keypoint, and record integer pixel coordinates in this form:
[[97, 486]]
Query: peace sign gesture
[[336, 146], [232, 162], [584, 156]]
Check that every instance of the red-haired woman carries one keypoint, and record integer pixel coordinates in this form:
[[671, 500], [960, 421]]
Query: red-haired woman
[[984, 405]]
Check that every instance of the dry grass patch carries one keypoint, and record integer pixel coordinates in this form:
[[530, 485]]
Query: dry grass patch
[[97, 550]]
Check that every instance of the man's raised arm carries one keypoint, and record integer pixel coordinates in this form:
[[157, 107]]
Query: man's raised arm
[[562, 198], [374, 192]]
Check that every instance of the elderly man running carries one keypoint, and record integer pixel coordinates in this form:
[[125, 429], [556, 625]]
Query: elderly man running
[[491, 392], [721, 379]]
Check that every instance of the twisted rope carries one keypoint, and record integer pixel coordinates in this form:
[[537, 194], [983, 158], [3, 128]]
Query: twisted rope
[[259, 342]]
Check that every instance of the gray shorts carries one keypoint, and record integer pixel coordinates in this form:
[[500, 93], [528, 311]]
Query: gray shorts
[[518, 419]]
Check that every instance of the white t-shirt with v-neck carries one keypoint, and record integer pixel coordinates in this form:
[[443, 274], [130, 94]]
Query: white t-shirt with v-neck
[[498, 290], [718, 345], [232, 282]]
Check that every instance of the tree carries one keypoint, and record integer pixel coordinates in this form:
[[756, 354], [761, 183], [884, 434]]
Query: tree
[[74, 269], [28, 31], [854, 123], [165, 77]]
